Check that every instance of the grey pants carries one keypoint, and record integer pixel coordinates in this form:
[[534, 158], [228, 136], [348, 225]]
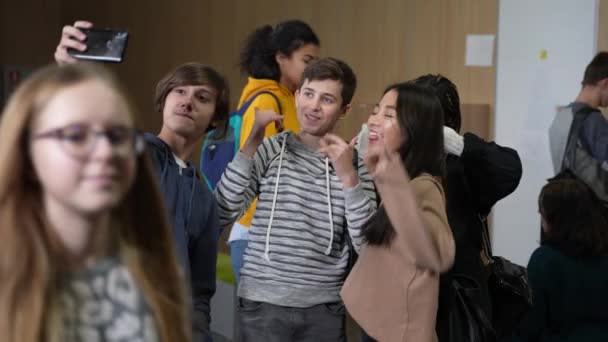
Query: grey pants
[[263, 322]]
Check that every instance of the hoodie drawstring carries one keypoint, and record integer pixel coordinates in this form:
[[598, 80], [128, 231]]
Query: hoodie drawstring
[[165, 167], [274, 202], [329, 210], [192, 191], [163, 178]]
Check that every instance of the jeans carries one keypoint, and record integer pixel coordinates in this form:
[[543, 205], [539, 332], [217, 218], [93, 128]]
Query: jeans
[[237, 254], [272, 323]]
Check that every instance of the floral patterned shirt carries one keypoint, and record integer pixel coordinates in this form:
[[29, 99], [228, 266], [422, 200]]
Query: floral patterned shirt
[[102, 303]]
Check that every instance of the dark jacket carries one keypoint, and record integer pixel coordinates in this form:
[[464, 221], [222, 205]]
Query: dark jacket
[[475, 181], [193, 214], [569, 298]]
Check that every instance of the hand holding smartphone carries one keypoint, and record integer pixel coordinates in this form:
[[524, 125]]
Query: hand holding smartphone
[[104, 45]]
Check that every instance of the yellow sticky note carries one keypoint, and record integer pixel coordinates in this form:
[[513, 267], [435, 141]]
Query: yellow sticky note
[[543, 55]]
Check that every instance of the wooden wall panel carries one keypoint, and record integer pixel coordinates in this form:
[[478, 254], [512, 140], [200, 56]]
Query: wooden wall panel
[[602, 30], [436, 36], [163, 35], [27, 31], [384, 40]]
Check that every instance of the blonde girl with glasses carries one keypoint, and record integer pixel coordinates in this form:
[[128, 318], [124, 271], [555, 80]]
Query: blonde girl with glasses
[[78, 203]]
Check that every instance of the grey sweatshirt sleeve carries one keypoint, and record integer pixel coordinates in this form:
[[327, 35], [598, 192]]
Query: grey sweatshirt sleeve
[[237, 188], [360, 205]]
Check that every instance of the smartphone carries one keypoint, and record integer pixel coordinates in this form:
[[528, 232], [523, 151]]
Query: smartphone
[[104, 45]]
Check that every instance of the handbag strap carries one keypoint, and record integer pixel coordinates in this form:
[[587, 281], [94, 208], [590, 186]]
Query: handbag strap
[[486, 245], [485, 237]]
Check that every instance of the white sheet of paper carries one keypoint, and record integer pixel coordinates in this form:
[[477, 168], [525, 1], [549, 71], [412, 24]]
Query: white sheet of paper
[[479, 50]]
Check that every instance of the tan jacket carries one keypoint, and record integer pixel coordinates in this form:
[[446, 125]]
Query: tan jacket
[[392, 291]]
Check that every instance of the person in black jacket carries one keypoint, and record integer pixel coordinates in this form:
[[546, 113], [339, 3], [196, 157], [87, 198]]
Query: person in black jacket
[[478, 174], [193, 98]]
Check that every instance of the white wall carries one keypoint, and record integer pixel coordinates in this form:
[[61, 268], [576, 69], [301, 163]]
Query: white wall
[[528, 91]]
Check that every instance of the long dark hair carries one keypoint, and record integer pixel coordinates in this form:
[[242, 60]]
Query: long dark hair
[[576, 217], [258, 54], [420, 119]]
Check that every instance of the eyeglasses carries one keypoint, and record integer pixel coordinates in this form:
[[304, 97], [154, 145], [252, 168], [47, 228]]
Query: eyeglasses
[[79, 140]]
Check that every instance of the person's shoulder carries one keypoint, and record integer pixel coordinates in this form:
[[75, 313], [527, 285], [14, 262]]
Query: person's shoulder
[[591, 113], [156, 149], [271, 146], [594, 125], [597, 119], [153, 142], [278, 138], [543, 257], [203, 191], [266, 99], [427, 185]]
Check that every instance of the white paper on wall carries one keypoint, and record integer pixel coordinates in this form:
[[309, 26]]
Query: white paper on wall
[[479, 50]]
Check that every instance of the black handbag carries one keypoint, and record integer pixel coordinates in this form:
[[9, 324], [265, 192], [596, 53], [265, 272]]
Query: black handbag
[[509, 289], [466, 322]]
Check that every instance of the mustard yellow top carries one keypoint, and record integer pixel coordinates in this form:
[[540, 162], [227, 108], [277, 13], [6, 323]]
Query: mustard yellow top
[[264, 101]]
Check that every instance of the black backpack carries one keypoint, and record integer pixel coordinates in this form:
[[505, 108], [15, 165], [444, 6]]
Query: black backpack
[[578, 160]]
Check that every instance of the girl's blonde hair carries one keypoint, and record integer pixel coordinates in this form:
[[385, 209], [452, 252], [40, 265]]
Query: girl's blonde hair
[[32, 258]]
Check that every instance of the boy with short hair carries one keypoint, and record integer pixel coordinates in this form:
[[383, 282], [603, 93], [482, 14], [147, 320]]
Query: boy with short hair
[[310, 195]]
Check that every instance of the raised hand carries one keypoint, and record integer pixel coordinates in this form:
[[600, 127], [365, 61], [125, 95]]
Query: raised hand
[[385, 167], [340, 154], [263, 117], [71, 37]]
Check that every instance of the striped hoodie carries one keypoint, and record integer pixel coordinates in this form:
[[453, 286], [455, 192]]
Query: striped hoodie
[[297, 254]]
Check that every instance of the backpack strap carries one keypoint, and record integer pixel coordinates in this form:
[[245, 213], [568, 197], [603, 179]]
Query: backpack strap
[[241, 111], [578, 119], [580, 162]]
